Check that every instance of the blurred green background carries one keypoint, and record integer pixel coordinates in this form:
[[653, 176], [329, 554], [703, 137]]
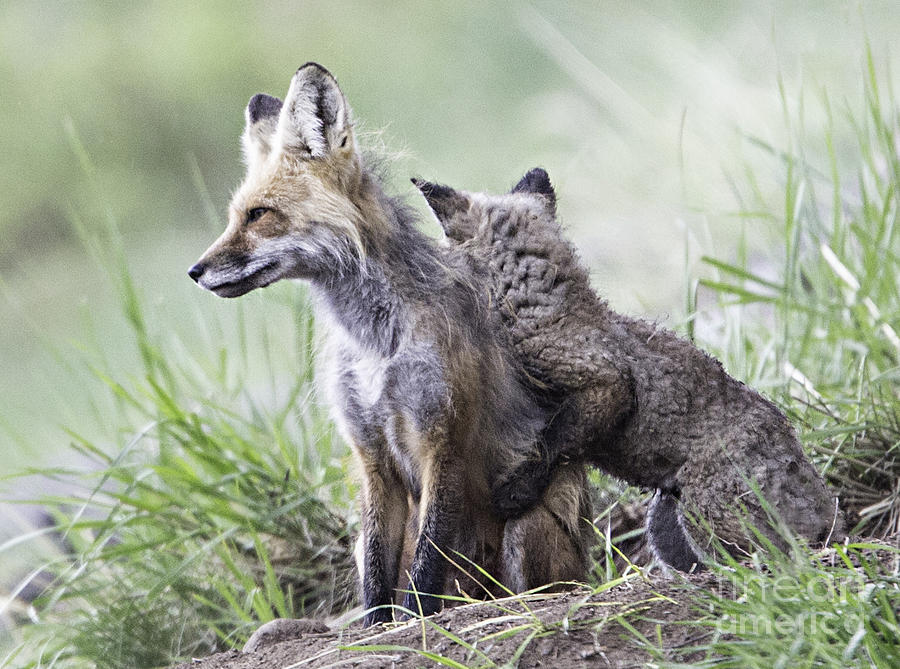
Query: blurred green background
[[131, 112]]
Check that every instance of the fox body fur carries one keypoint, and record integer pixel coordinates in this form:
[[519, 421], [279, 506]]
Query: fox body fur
[[631, 397], [417, 369]]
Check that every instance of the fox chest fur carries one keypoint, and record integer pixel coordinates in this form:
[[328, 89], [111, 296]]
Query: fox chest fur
[[385, 405]]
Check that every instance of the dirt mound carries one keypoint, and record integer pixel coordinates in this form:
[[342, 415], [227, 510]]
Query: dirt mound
[[559, 630]]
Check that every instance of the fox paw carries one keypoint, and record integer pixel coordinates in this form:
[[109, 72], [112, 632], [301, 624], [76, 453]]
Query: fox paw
[[520, 490]]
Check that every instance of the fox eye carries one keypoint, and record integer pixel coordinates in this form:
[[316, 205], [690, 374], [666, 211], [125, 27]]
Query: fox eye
[[254, 214]]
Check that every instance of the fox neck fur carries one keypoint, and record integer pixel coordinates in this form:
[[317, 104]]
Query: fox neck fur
[[370, 298]]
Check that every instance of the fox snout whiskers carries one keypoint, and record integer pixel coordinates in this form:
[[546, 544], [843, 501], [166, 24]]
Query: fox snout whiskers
[[236, 279]]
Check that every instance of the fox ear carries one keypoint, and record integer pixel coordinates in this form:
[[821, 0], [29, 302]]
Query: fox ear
[[315, 117], [449, 206], [537, 181], [262, 119]]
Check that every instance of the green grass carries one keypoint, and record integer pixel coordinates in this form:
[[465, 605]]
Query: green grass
[[821, 336], [837, 611], [216, 511], [218, 498], [829, 343]]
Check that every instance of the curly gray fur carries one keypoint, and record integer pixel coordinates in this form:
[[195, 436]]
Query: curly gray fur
[[631, 397]]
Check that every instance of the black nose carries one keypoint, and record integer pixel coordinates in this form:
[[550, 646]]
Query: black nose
[[196, 271]]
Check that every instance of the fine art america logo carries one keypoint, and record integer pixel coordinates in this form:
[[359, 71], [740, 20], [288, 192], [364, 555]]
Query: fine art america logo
[[784, 606]]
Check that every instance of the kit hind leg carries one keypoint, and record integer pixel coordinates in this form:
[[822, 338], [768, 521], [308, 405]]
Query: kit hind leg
[[551, 542]]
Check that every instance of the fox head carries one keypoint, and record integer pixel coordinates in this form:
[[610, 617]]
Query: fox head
[[474, 217], [297, 214]]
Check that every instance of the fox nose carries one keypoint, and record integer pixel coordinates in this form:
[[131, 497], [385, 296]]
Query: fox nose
[[196, 271]]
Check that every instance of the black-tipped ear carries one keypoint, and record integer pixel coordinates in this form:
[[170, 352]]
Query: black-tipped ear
[[443, 200], [262, 106], [536, 181], [261, 121]]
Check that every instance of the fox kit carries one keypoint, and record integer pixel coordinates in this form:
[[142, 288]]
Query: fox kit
[[416, 368], [632, 398]]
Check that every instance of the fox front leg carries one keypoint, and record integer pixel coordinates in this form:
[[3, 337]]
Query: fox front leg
[[578, 429], [384, 509], [439, 525]]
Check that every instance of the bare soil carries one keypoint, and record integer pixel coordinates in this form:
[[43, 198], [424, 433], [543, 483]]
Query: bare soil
[[635, 621], [572, 629]]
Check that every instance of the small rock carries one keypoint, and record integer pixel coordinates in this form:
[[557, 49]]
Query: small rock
[[283, 629]]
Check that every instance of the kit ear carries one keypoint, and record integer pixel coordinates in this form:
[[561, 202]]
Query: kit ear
[[315, 117], [537, 181], [261, 118], [449, 206]]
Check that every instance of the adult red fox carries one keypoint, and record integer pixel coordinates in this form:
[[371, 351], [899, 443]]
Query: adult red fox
[[415, 365]]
